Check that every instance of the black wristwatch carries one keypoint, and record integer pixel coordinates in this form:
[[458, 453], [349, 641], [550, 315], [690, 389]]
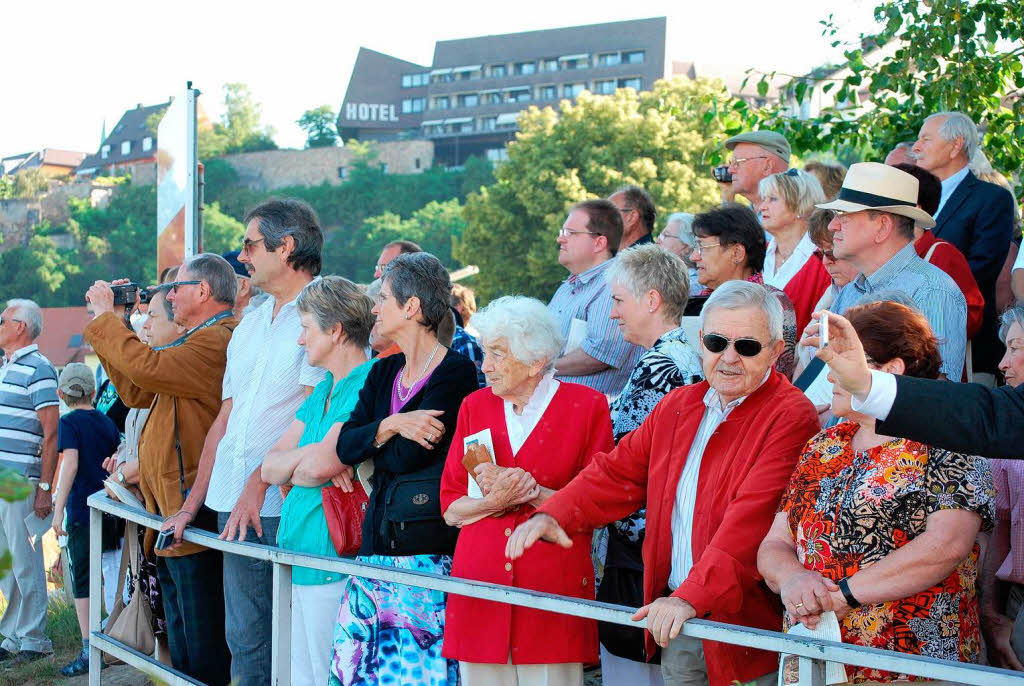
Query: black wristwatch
[[851, 600]]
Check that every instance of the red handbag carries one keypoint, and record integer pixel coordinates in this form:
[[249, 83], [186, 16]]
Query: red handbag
[[344, 513]]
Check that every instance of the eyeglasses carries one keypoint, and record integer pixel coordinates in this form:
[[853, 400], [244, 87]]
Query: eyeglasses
[[737, 161], [4, 320], [699, 247], [745, 347], [623, 210], [825, 255], [247, 244], [566, 233], [665, 234], [175, 284]]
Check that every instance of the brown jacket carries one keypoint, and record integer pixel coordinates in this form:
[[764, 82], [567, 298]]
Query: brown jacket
[[192, 373]]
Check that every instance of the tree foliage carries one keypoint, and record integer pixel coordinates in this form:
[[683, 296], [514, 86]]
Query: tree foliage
[[13, 487], [925, 57], [240, 128], [658, 140], [435, 227], [318, 124], [27, 183]]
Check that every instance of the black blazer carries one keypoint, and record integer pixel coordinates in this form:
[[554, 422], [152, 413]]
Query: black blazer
[[962, 417], [453, 380], [978, 219]]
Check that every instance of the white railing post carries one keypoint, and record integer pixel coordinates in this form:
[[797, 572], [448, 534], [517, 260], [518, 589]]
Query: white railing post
[[281, 634], [95, 592], [812, 672]]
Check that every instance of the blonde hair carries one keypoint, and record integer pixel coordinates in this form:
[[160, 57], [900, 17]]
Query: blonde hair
[[800, 190]]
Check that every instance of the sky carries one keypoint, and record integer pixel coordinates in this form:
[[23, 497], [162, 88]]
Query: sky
[[73, 65]]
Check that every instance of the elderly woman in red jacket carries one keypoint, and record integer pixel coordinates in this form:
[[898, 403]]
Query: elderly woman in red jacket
[[541, 433]]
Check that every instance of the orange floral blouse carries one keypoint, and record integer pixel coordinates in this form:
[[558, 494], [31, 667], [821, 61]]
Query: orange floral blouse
[[848, 510]]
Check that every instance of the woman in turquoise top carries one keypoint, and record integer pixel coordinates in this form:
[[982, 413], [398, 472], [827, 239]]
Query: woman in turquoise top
[[336, 323]]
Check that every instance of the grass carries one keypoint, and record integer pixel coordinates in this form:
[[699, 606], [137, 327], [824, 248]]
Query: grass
[[62, 628]]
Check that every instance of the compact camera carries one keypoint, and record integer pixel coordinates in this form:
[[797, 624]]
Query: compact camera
[[722, 174]]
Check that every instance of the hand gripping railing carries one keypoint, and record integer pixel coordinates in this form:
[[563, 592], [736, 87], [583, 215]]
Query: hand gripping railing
[[812, 653]]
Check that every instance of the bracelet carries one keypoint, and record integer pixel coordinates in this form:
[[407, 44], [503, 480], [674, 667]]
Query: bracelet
[[851, 600], [190, 515]]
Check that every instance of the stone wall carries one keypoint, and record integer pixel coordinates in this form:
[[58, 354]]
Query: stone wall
[[270, 169], [18, 217]]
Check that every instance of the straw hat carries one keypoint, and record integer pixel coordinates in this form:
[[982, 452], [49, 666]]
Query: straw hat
[[875, 186]]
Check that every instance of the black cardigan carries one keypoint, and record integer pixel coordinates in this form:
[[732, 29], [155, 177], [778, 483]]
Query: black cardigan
[[453, 380]]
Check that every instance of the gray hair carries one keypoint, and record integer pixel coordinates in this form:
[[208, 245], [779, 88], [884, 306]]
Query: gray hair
[[28, 311], [738, 295], [167, 304], [422, 275], [958, 125], [373, 290], [888, 295], [645, 268], [336, 300], [215, 271], [525, 324], [1014, 314], [685, 221], [280, 217]]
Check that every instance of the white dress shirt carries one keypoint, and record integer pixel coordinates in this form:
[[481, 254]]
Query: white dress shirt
[[949, 185], [793, 264], [878, 402], [686, 490], [520, 426], [265, 378]]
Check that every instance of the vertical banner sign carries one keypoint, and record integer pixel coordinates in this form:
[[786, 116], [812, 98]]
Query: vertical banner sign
[[177, 194]]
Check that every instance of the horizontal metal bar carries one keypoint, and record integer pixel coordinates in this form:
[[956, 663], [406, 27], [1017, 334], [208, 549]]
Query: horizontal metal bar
[[140, 661], [773, 641]]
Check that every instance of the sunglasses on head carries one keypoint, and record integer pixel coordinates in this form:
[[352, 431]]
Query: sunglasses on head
[[745, 347]]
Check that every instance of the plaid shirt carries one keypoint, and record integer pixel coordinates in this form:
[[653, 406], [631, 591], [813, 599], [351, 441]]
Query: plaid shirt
[[465, 344]]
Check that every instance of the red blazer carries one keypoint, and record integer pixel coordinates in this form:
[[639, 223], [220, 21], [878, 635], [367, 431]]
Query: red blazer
[[806, 288], [575, 426], [949, 259], [743, 474]]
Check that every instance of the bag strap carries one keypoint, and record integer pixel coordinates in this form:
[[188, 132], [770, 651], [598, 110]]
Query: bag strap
[[177, 449], [131, 547], [928, 255]]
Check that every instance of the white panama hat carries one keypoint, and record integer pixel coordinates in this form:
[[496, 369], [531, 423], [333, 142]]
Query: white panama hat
[[879, 187]]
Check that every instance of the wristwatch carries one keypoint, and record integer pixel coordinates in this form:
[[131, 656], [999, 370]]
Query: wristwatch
[[43, 486], [120, 475]]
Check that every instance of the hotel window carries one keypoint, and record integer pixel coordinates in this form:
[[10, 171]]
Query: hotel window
[[609, 59], [633, 57], [492, 98], [412, 105], [495, 155], [497, 71], [469, 100], [415, 80], [549, 64], [576, 62], [519, 95], [571, 90], [105, 151], [441, 103], [606, 87], [634, 82], [525, 68], [547, 93], [126, 147], [342, 172], [488, 123], [147, 143]]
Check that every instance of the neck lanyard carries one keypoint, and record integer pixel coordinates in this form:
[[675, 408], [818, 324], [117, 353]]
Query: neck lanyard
[[184, 337]]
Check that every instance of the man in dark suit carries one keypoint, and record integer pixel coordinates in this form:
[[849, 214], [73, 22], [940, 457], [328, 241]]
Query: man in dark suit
[[966, 418], [974, 215]]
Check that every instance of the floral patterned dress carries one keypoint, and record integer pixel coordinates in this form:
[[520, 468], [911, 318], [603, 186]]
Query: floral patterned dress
[[848, 510]]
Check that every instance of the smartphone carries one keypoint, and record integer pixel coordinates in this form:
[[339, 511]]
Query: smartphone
[[823, 330], [164, 539]]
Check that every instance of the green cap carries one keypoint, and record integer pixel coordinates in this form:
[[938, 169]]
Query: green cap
[[770, 141]]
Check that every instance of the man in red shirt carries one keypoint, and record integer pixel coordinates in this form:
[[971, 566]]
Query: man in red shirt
[[710, 463]]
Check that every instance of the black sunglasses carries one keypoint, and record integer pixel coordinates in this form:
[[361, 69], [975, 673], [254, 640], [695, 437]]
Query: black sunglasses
[[174, 285], [745, 347]]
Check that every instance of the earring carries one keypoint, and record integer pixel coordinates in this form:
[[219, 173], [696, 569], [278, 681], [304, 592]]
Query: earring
[[651, 310], [406, 316]]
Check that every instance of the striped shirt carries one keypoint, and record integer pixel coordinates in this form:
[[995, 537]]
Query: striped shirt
[[28, 383], [935, 293], [264, 377], [587, 297]]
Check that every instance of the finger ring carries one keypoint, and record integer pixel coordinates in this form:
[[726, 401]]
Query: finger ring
[[430, 437], [799, 605]]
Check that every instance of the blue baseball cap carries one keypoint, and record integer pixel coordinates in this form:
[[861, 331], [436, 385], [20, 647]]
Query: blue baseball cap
[[232, 258]]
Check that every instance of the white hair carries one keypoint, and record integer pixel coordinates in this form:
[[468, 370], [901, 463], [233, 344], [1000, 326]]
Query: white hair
[[958, 125], [525, 324], [27, 311], [739, 295], [685, 221], [1012, 315]]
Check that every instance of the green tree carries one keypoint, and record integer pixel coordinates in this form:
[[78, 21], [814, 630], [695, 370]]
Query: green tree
[[926, 56], [239, 130], [319, 127], [28, 183], [435, 227], [658, 140], [221, 232], [13, 487]]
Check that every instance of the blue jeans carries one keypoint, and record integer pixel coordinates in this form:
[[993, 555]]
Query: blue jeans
[[192, 596], [248, 605]]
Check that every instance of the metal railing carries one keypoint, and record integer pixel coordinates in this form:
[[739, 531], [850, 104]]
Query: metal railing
[[811, 653]]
